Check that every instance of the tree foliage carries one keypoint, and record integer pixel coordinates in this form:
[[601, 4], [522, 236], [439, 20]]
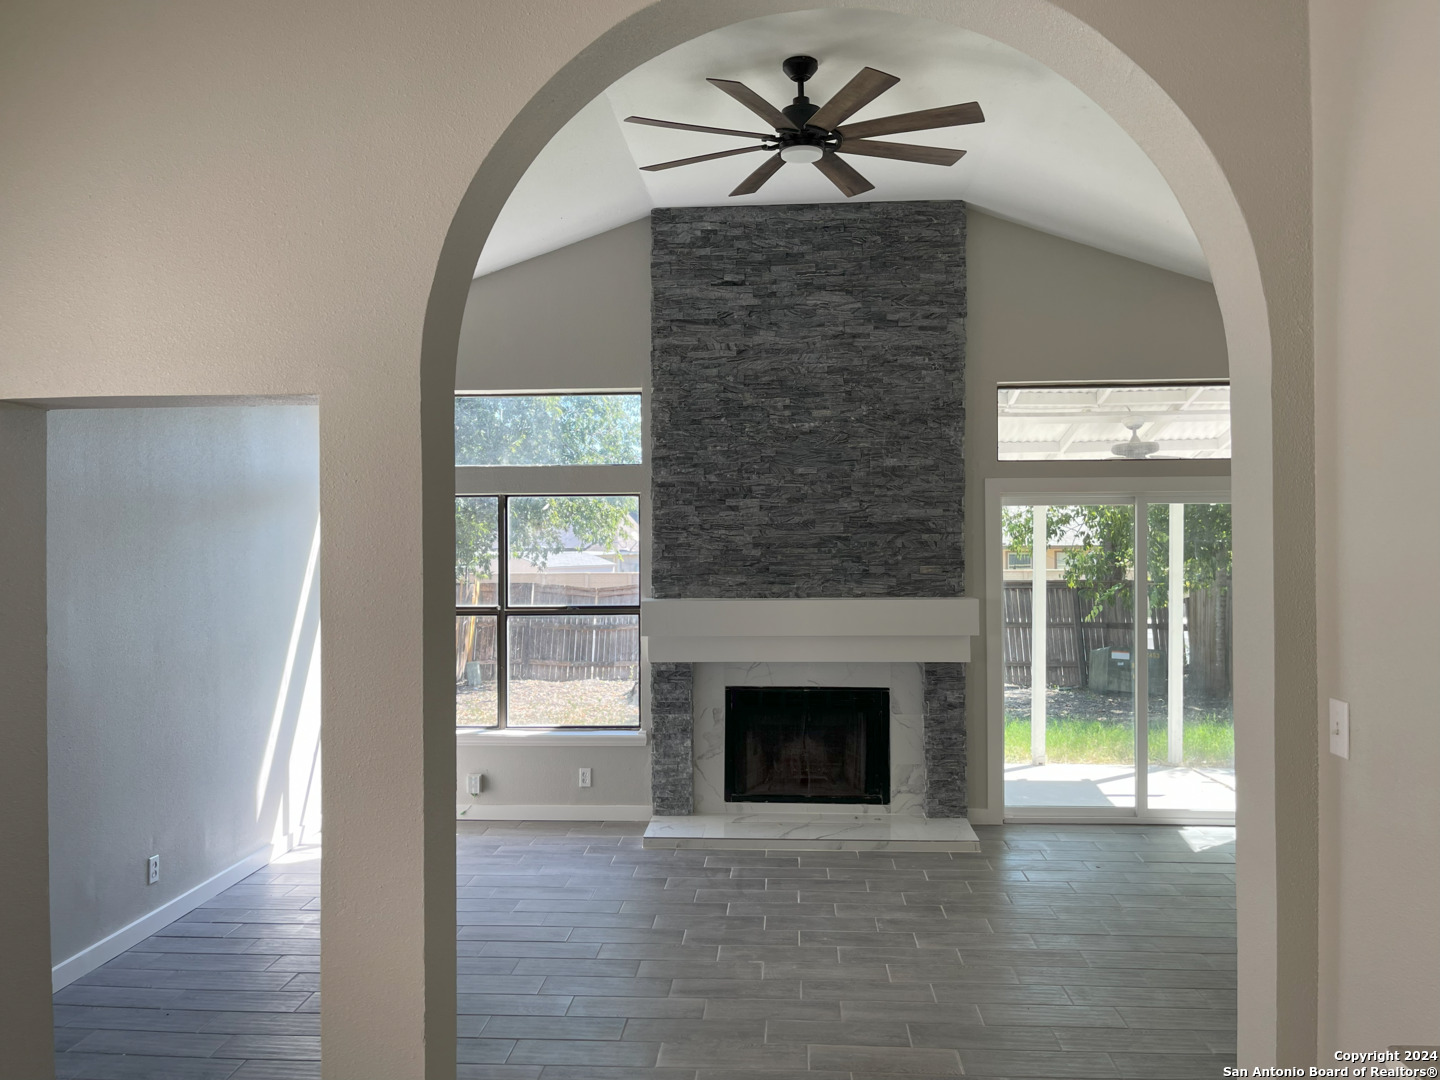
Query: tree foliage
[[539, 527], [1101, 564], [571, 429]]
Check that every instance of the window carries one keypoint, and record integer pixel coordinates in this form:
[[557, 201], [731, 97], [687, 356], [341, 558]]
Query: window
[[548, 636], [547, 586], [548, 429], [1114, 423], [1017, 560]]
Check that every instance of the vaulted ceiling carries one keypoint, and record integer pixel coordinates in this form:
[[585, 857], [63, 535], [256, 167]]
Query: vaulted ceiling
[[1046, 157]]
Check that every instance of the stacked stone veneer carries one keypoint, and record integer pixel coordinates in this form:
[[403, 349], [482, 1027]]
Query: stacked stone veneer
[[807, 418], [672, 728]]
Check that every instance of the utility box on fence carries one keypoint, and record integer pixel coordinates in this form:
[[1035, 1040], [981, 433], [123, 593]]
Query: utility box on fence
[[1112, 671]]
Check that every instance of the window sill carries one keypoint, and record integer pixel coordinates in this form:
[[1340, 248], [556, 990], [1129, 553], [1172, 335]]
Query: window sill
[[550, 737]]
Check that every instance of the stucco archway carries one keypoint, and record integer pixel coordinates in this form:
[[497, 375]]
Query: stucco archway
[[1263, 293]]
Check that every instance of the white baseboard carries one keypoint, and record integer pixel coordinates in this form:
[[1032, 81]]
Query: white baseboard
[[979, 816], [107, 948], [552, 812]]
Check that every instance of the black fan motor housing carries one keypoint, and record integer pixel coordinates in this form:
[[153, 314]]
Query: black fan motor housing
[[800, 68]]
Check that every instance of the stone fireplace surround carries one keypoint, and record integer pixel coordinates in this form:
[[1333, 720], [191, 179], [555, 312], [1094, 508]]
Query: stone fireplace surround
[[807, 412]]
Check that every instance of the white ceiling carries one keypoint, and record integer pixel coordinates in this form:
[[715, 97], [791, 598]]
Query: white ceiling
[[1047, 156]]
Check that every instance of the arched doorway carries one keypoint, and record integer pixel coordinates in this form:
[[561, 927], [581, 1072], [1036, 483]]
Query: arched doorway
[[1099, 55]]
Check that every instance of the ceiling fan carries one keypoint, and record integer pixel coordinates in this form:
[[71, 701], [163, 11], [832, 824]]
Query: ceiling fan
[[810, 134], [1135, 448]]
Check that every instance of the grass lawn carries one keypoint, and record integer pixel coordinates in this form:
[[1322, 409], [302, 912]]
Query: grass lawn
[[543, 703], [1209, 741]]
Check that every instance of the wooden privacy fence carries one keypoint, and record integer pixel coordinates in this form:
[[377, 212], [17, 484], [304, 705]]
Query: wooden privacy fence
[[555, 648], [605, 590], [1073, 631], [1071, 634], [563, 648]]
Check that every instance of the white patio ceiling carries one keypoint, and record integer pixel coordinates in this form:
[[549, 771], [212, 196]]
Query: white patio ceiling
[[1084, 423]]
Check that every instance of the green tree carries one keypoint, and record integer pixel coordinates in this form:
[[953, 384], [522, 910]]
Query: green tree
[[538, 528], [1102, 564], [476, 536], [570, 429]]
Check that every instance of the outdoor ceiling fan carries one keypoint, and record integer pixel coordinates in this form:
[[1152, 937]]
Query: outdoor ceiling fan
[[811, 134], [1135, 448]]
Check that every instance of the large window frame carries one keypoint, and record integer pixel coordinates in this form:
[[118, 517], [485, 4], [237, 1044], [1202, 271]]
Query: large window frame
[[503, 610], [501, 482]]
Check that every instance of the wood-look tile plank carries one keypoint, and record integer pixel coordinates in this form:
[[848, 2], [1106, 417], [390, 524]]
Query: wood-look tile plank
[[887, 1061]]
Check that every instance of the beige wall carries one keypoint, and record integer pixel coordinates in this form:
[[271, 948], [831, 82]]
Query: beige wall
[[1377, 391], [548, 776], [1040, 309], [576, 319], [183, 628], [261, 198], [24, 843]]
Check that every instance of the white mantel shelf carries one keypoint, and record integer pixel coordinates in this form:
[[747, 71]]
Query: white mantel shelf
[[880, 629]]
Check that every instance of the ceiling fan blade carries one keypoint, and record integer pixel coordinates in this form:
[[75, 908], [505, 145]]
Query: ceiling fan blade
[[756, 180], [927, 155], [754, 102], [948, 116], [697, 127], [864, 88], [850, 182], [702, 157]]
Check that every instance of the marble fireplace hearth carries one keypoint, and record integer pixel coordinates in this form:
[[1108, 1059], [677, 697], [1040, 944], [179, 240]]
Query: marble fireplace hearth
[[811, 832]]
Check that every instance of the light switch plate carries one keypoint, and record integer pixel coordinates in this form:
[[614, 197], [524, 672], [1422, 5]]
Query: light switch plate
[[1339, 728]]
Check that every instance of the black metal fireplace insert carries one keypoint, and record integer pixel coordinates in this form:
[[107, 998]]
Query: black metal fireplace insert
[[807, 744]]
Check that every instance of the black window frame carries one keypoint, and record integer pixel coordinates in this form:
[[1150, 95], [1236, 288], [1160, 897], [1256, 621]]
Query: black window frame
[[503, 610]]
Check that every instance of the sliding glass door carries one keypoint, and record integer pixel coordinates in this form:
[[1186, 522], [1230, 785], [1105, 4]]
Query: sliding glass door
[[1101, 673]]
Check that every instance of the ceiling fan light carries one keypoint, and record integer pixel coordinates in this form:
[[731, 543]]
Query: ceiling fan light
[[801, 154]]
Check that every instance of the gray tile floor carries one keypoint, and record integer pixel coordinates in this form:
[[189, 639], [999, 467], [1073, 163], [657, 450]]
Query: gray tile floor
[[1059, 951]]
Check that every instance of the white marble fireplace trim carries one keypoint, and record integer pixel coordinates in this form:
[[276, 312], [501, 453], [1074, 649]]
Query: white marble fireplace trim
[[811, 630], [907, 722]]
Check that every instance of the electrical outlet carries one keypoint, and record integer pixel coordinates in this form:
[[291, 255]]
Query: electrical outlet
[[152, 869], [475, 783], [584, 777], [1339, 728]]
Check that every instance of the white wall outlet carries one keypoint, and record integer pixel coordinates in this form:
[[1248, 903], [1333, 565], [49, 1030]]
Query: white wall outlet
[[475, 783], [152, 869], [1339, 728], [584, 777]]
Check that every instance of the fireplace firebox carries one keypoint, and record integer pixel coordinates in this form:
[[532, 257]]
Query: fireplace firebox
[[807, 744]]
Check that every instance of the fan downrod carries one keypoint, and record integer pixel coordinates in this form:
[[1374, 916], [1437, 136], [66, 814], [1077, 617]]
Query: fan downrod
[[800, 69]]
